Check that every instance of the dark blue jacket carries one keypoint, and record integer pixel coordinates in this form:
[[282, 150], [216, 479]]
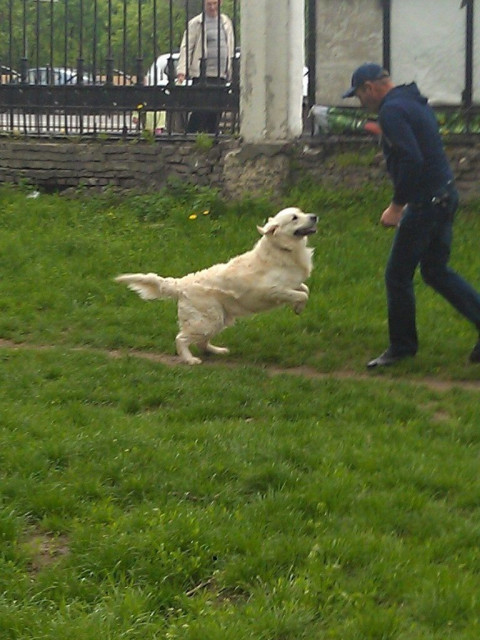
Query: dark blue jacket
[[412, 145]]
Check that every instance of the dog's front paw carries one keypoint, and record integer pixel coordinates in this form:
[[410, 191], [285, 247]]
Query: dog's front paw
[[192, 360]]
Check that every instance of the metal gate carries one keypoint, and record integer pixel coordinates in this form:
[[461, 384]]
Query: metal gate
[[108, 67]]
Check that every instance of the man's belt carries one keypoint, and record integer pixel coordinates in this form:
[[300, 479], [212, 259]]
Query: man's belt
[[443, 195]]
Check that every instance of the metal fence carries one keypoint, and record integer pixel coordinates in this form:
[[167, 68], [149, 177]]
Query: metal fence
[[108, 67]]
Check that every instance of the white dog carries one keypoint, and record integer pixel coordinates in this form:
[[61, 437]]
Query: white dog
[[269, 275]]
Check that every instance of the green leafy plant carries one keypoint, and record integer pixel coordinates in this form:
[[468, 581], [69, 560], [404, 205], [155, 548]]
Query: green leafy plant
[[203, 142]]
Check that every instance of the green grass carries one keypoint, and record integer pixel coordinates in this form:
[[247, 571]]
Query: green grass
[[59, 258], [235, 500]]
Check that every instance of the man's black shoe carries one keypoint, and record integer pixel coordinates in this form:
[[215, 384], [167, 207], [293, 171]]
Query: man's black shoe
[[385, 360], [475, 355]]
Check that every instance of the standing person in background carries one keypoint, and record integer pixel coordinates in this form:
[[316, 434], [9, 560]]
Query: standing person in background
[[422, 209], [208, 36]]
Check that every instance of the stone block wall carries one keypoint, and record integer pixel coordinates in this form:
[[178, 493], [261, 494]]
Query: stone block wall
[[140, 165], [234, 169]]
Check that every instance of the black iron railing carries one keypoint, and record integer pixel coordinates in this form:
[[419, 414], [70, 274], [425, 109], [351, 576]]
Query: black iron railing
[[108, 67]]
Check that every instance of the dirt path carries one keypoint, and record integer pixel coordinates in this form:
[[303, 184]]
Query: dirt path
[[301, 371]]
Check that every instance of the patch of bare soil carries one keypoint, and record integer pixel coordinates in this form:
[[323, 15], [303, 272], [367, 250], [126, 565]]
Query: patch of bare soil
[[44, 549], [301, 371]]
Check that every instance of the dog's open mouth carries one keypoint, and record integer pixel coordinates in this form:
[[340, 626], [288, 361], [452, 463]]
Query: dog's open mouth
[[305, 231]]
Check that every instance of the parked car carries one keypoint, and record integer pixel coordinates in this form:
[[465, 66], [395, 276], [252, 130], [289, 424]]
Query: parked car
[[157, 75], [55, 75], [161, 65], [9, 75]]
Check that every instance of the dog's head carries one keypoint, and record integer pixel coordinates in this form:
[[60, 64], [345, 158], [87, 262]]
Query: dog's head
[[289, 225]]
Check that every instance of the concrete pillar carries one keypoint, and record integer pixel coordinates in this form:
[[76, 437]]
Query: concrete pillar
[[271, 70]]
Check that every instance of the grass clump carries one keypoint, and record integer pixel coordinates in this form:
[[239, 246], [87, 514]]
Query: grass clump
[[203, 142], [355, 159], [176, 199]]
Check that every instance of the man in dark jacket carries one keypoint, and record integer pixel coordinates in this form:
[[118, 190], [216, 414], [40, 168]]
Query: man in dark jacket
[[422, 209]]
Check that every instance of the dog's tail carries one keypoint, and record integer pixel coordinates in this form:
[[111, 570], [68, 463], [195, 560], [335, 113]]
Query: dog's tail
[[150, 286]]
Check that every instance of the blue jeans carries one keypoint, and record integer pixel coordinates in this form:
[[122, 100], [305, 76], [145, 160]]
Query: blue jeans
[[424, 237]]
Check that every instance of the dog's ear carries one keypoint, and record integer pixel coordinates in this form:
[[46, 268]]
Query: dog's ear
[[268, 228]]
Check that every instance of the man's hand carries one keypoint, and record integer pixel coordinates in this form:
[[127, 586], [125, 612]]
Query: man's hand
[[392, 215], [180, 78]]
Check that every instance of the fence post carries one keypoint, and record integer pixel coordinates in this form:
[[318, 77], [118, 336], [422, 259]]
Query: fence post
[[272, 70]]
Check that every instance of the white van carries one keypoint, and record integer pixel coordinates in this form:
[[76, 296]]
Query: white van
[[158, 73]]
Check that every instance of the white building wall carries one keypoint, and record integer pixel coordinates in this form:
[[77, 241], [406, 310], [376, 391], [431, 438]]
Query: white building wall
[[476, 55], [349, 32], [428, 47]]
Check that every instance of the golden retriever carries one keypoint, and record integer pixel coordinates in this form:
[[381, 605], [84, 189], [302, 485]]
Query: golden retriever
[[269, 275]]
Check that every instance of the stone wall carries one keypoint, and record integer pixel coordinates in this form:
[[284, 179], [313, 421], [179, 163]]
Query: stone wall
[[141, 165], [340, 161], [234, 169]]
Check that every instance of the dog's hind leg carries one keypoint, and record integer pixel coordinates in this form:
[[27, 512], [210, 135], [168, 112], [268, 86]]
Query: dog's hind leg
[[207, 347], [217, 321], [200, 318], [183, 342]]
